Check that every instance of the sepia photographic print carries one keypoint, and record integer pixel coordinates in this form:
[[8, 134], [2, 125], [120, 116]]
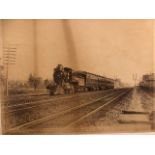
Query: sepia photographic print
[[77, 76]]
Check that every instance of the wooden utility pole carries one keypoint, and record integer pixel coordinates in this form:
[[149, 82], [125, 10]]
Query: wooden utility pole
[[134, 77], [9, 58]]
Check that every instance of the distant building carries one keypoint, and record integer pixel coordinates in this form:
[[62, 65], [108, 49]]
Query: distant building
[[149, 77], [148, 81]]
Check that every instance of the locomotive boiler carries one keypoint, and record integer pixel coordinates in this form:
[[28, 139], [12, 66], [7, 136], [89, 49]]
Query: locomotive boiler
[[67, 80]]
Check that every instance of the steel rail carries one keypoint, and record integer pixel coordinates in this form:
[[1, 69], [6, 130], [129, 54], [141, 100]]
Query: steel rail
[[97, 109], [55, 116], [35, 104]]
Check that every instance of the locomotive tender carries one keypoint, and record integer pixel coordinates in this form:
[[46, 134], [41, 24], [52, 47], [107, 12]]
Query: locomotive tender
[[68, 81]]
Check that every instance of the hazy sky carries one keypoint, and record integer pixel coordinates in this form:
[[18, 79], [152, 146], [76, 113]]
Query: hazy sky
[[106, 47], [115, 47]]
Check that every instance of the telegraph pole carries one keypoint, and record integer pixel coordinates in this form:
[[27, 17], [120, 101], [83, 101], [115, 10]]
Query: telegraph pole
[[134, 77], [1, 77], [9, 57]]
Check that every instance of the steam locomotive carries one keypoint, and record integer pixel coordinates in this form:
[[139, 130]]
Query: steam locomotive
[[67, 81]]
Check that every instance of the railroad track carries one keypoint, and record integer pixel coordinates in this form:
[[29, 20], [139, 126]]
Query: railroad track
[[16, 115], [96, 109], [44, 101], [18, 100], [71, 116], [32, 98]]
